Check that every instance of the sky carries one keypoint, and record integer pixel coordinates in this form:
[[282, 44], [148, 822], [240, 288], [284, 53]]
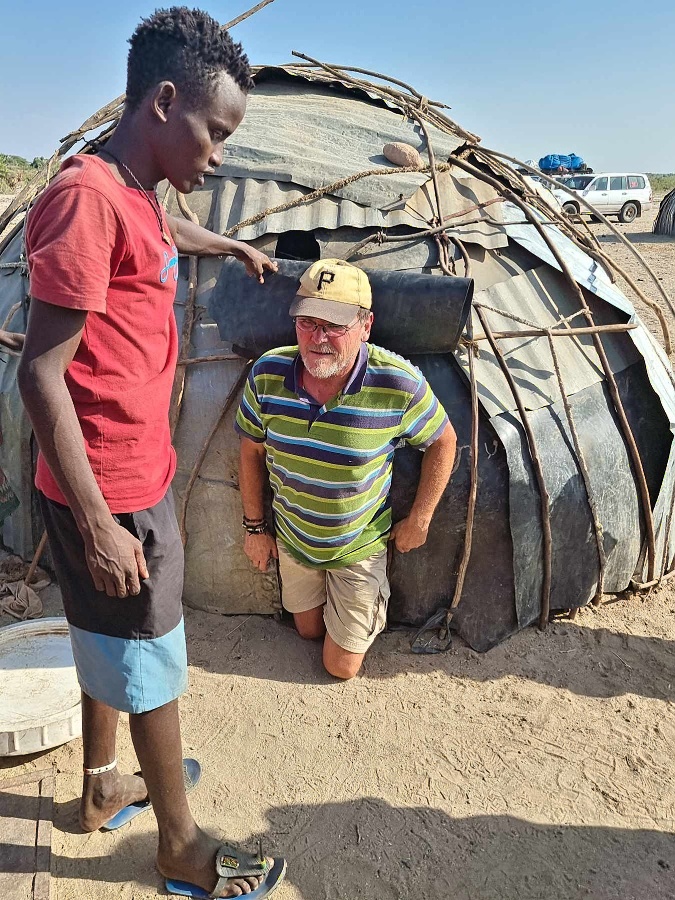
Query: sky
[[527, 79]]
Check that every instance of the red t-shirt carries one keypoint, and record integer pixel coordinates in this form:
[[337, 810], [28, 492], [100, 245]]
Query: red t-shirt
[[95, 244]]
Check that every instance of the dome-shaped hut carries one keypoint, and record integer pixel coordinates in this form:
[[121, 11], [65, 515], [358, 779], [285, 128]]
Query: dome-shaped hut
[[563, 402], [665, 218]]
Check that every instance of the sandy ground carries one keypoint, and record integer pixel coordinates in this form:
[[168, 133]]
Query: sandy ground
[[5, 200], [542, 770]]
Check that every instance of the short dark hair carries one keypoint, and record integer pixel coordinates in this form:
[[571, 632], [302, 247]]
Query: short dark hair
[[186, 47]]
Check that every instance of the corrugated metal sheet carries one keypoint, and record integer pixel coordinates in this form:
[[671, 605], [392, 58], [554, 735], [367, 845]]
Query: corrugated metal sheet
[[542, 297], [586, 272], [238, 199], [293, 71], [313, 136]]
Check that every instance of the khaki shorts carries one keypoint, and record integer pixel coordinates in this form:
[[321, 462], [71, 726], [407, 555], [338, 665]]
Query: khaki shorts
[[354, 597]]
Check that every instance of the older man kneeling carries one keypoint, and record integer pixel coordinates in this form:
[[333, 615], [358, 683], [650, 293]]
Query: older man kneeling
[[322, 420]]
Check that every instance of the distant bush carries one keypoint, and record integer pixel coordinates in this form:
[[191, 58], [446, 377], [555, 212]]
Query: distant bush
[[14, 171], [661, 184]]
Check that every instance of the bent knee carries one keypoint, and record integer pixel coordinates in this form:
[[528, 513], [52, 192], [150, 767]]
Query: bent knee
[[310, 624], [338, 662], [344, 669], [343, 673], [310, 632]]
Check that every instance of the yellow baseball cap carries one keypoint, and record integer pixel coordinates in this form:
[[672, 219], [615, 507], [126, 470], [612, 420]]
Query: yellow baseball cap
[[334, 290]]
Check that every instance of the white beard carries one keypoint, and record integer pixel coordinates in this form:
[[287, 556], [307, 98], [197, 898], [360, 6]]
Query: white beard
[[329, 365]]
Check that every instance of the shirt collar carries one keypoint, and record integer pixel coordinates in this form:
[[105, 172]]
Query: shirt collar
[[354, 382], [358, 373]]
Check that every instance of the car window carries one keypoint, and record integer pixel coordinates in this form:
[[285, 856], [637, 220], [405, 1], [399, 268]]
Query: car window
[[635, 182], [577, 182], [617, 183], [600, 184]]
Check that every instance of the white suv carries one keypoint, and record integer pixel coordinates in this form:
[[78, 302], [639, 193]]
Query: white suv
[[611, 193]]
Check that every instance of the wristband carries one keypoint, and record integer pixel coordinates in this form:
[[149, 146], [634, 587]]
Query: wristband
[[261, 528], [100, 770]]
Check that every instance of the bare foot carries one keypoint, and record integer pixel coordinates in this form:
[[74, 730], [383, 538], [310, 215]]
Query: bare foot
[[195, 862], [103, 796]]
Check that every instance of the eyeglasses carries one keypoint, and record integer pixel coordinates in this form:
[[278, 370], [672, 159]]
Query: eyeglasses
[[309, 326]]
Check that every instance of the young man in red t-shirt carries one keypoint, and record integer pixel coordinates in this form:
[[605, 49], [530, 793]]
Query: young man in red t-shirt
[[96, 378]]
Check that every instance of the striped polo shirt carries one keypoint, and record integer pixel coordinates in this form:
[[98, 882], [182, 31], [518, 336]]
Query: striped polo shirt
[[330, 466]]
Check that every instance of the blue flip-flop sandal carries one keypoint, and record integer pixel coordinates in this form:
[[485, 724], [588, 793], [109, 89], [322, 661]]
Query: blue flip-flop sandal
[[231, 862], [192, 772]]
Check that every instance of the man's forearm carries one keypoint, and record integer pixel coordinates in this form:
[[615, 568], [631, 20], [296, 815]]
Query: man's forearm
[[261, 546], [13, 340], [252, 479], [59, 436], [437, 464], [191, 238]]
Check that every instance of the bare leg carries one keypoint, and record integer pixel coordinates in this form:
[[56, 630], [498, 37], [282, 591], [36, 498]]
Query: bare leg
[[337, 661], [103, 795], [340, 662], [185, 852], [310, 624]]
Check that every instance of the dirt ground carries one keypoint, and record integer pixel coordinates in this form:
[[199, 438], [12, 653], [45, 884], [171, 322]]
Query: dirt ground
[[542, 770], [5, 200]]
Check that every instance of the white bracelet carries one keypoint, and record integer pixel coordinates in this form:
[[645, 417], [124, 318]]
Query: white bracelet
[[101, 769]]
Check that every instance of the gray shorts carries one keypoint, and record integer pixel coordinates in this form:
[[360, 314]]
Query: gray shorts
[[129, 652]]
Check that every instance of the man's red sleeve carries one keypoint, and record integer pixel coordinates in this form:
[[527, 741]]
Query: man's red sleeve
[[74, 243]]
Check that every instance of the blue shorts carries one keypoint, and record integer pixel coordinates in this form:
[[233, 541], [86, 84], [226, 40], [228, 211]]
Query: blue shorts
[[129, 653]]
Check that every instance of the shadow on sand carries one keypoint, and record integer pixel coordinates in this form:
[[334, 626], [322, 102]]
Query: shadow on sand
[[369, 849], [594, 662]]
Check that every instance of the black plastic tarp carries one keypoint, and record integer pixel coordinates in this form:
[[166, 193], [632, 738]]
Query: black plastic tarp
[[413, 313]]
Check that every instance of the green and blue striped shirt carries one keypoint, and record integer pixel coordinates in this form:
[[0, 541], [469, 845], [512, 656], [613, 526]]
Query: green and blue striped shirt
[[330, 466]]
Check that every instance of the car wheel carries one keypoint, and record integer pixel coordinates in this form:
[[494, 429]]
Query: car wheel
[[628, 212], [570, 208]]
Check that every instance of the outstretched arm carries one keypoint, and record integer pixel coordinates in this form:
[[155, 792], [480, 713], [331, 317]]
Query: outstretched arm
[[193, 239], [437, 464], [13, 340]]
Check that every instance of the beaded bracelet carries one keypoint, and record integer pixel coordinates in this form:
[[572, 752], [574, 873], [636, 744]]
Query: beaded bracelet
[[257, 529], [253, 527]]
